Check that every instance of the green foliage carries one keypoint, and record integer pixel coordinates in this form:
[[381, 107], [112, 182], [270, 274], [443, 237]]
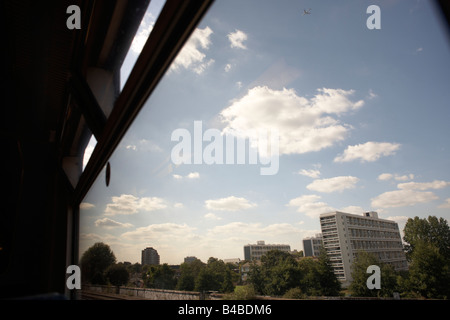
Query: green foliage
[[160, 277], [189, 272], [215, 276], [280, 273], [277, 273], [294, 293], [246, 292], [429, 273], [432, 230], [428, 251], [95, 261], [388, 277], [117, 274]]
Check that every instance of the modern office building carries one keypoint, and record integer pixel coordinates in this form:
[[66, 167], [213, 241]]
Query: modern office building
[[345, 234], [149, 256], [312, 245], [256, 251]]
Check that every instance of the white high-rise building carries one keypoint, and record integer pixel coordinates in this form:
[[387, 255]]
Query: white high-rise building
[[345, 234], [312, 245]]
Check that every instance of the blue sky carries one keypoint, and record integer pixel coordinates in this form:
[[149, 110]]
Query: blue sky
[[362, 117]]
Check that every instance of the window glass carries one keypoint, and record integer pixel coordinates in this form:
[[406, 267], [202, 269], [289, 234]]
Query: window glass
[[270, 117]]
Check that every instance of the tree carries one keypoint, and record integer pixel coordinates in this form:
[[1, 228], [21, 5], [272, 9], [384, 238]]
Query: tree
[[95, 261], [160, 277], [216, 276], [429, 272], [189, 272], [432, 230], [388, 277], [117, 274], [329, 284], [277, 273]]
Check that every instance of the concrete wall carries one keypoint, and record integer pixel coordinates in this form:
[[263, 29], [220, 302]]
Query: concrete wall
[[153, 294]]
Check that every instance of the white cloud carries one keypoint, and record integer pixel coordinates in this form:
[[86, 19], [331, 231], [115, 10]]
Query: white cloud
[[385, 176], [333, 184], [237, 38], [304, 125], [372, 95], [191, 175], [127, 204], [155, 232], [231, 203], [436, 184], [144, 145], [446, 204], [310, 205], [402, 198], [389, 176], [353, 209], [310, 173], [86, 206], [253, 229], [143, 32], [178, 205], [212, 216], [405, 177], [369, 151], [227, 67], [399, 219], [191, 57], [109, 224]]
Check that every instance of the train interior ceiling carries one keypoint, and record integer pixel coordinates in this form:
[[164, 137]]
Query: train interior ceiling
[[61, 86]]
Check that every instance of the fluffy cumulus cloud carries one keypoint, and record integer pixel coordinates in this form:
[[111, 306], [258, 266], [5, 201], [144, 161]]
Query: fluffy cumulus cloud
[[312, 173], [192, 56], [389, 176], [333, 184], [304, 125], [436, 184], [110, 224], [310, 205], [155, 232], [127, 204], [402, 198], [368, 152], [409, 194], [253, 229], [231, 203], [237, 39]]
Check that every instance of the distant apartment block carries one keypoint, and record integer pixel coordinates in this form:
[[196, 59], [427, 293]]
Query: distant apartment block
[[344, 235], [190, 259], [312, 245], [256, 251], [149, 256]]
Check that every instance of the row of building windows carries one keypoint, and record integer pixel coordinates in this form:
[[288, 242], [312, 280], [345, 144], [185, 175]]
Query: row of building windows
[[376, 244], [385, 255], [361, 233], [354, 221]]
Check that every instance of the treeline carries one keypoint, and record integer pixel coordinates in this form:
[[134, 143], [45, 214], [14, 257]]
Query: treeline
[[285, 275]]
